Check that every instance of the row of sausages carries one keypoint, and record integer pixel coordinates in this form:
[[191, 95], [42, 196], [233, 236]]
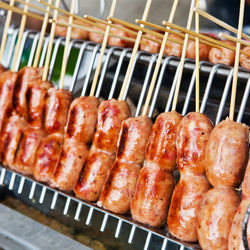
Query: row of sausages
[[131, 162], [206, 53]]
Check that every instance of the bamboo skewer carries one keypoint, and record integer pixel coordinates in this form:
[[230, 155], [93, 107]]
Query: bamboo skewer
[[234, 39], [66, 47], [19, 40], [41, 38], [133, 56], [197, 61], [104, 44], [181, 64], [219, 22], [50, 45], [33, 6], [201, 36], [159, 60], [5, 31], [236, 62]]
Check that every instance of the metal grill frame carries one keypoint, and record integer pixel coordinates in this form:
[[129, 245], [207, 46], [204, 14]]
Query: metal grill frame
[[121, 54]]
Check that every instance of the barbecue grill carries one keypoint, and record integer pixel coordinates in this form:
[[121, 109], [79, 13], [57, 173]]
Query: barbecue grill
[[215, 91]]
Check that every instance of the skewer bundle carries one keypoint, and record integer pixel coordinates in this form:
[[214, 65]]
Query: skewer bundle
[[130, 162]]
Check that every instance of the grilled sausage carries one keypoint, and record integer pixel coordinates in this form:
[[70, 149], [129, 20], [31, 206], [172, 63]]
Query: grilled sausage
[[56, 110], [12, 133], [235, 241], [226, 154], [156, 182], [245, 59], [101, 157], [120, 188], [37, 92], [79, 131], [151, 46], [82, 119], [96, 37], [2, 69], [25, 154], [222, 55], [70, 163], [215, 217], [172, 48], [75, 33], [24, 76], [192, 137], [47, 156], [7, 85], [203, 50]]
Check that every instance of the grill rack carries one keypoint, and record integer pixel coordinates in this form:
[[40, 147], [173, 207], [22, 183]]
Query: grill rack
[[115, 58]]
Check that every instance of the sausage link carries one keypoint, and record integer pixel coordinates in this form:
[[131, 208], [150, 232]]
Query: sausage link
[[56, 110], [101, 157], [215, 217], [82, 119], [47, 156], [12, 133], [245, 59], [2, 69], [151, 46], [156, 182], [172, 48], [37, 92], [96, 37], [193, 133], [226, 154], [120, 188], [203, 50], [24, 76], [70, 163], [7, 85], [25, 156], [222, 55], [235, 241]]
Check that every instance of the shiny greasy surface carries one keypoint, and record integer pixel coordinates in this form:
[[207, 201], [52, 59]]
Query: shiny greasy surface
[[82, 119], [36, 94], [151, 46], [227, 153], [235, 237], [47, 156], [203, 50], [101, 157], [193, 133], [120, 188], [56, 110], [11, 135], [215, 218], [172, 48], [222, 55], [24, 76], [156, 182], [25, 155], [7, 85]]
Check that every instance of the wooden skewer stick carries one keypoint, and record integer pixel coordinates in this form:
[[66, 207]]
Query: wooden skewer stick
[[5, 31], [234, 39], [181, 63], [197, 61], [33, 6], [20, 11], [66, 47], [104, 44], [50, 45], [219, 22], [20, 36], [201, 36], [133, 56], [236, 62], [159, 60], [41, 38]]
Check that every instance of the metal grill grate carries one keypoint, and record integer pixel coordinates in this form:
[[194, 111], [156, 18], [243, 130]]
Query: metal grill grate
[[215, 92]]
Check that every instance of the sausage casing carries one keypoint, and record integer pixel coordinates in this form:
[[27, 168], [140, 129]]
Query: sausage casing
[[56, 110], [226, 154], [172, 48], [215, 217], [245, 59], [120, 188], [47, 156], [101, 157], [151, 46]]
